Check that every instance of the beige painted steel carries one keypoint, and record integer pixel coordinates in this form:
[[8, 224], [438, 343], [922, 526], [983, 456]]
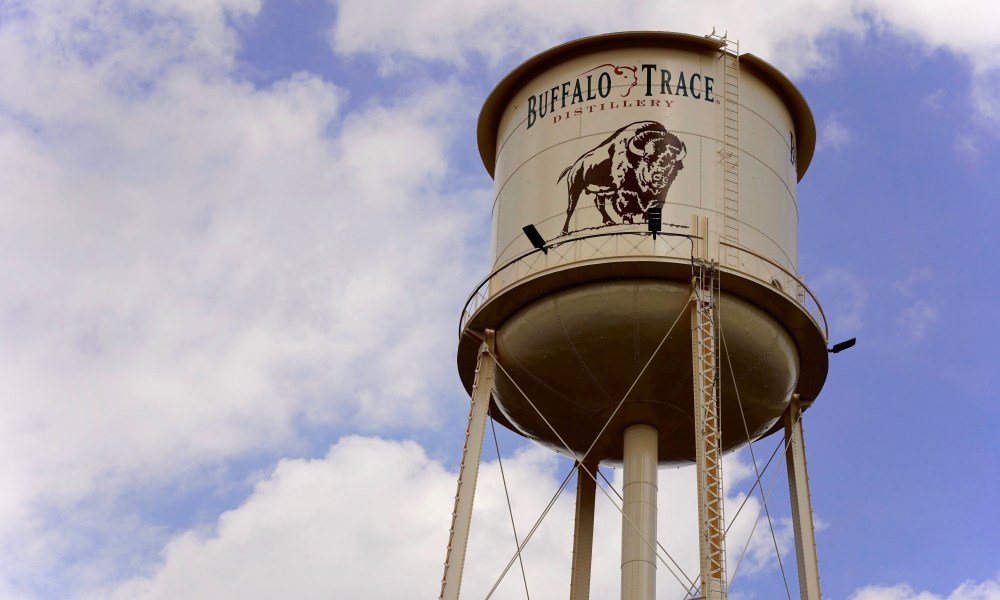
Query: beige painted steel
[[528, 140], [597, 119], [468, 472], [576, 353], [639, 514], [729, 133], [581, 140], [705, 359], [583, 531], [802, 516]]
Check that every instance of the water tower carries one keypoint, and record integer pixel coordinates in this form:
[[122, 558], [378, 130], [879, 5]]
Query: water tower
[[644, 305]]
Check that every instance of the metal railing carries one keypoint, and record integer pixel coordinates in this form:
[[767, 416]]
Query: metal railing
[[766, 270], [622, 244]]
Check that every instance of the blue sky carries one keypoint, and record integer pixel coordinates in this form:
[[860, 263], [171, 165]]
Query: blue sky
[[236, 237]]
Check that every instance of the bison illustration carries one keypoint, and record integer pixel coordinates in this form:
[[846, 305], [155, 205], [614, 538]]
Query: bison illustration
[[632, 169]]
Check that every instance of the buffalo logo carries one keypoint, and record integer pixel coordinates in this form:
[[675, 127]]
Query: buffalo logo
[[629, 80], [632, 169]]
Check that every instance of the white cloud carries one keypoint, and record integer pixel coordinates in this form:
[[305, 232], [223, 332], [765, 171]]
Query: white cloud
[[967, 144], [192, 264], [970, 590], [834, 135], [916, 277], [795, 35], [987, 590], [915, 319], [844, 296], [918, 316], [325, 528], [899, 592], [962, 27], [331, 527], [986, 90], [933, 101], [451, 30]]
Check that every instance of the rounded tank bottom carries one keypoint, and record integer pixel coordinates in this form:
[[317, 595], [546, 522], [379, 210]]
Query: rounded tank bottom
[[578, 352]]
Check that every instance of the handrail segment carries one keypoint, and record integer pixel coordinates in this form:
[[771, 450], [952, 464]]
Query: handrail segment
[[567, 251]]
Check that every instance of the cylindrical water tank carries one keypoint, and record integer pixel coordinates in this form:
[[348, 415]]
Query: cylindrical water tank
[[582, 140]]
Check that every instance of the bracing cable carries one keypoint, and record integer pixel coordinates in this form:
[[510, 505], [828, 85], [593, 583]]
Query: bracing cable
[[534, 528], [690, 583], [569, 451], [770, 488], [636, 529], [753, 458], [527, 538], [756, 482], [636, 380], [510, 509], [774, 478], [607, 422]]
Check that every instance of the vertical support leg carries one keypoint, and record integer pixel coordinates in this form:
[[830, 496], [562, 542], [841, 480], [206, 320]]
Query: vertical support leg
[[708, 454], [583, 532], [639, 514], [798, 489], [468, 472]]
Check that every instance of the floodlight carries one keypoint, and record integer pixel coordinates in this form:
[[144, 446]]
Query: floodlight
[[843, 345], [535, 238], [654, 219]]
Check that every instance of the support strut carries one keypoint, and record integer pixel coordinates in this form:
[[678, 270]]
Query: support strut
[[798, 489], [468, 472], [639, 513], [583, 531]]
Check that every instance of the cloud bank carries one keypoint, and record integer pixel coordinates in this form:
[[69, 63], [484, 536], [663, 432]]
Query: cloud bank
[[333, 527], [191, 263], [197, 269]]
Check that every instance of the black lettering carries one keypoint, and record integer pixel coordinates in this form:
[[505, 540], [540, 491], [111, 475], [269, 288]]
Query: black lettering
[[694, 86], [531, 111], [681, 86], [590, 92], [565, 88], [665, 82], [577, 93], [649, 78], [554, 98], [543, 104], [708, 89], [604, 85]]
